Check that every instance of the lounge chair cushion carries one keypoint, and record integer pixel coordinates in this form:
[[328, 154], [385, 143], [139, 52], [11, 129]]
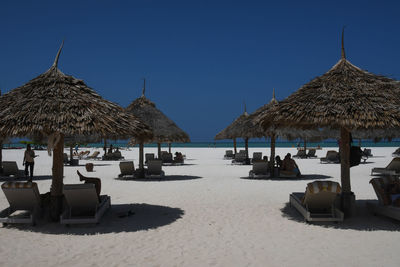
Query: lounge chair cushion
[[321, 187], [380, 186]]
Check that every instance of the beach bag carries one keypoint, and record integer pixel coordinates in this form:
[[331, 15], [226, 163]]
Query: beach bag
[[355, 156]]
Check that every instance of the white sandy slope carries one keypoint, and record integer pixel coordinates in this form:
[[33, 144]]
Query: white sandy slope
[[205, 214]]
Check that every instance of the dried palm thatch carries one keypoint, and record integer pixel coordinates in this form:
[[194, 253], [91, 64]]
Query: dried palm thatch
[[57, 105], [345, 98], [164, 129], [55, 102]]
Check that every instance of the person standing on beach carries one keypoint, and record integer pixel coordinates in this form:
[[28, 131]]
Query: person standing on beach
[[29, 161]]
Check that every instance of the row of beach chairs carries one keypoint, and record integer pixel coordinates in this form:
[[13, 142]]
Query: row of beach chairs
[[25, 203], [154, 169]]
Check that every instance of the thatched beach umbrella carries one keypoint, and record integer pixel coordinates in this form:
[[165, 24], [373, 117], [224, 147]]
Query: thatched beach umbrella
[[345, 98], [237, 129], [254, 130], [57, 105], [164, 129]]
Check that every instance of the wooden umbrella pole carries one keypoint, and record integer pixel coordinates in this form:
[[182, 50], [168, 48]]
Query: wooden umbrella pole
[[71, 154], [234, 146], [348, 198], [272, 156], [159, 150], [57, 182], [305, 144], [246, 147], [141, 155], [141, 159], [169, 148]]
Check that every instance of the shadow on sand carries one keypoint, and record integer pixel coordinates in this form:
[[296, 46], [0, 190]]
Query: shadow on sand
[[119, 218], [83, 165], [161, 179], [23, 179], [362, 220], [303, 177]]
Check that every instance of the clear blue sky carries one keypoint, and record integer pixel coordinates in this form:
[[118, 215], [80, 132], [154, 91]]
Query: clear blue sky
[[202, 59]]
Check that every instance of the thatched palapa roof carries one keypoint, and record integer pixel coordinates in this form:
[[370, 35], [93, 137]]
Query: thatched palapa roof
[[164, 129], [56, 102], [346, 96], [237, 129]]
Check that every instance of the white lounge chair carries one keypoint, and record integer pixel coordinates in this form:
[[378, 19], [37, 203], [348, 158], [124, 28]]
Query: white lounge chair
[[311, 153], [383, 205], [154, 169], [260, 170], [148, 156], [392, 169], [257, 156], [318, 202], [332, 156], [22, 196], [83, 205], [240, 158], [95, 155], [229, 154], [127, 168], [300, 154], [10, 168]]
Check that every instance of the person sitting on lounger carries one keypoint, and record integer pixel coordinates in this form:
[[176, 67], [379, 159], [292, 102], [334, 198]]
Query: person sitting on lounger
[[91, 180], [393, 189], [278, 162], [288, 164]]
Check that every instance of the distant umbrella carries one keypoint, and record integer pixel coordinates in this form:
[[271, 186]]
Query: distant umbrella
[[57, 105], [345, 98], [164, 129], [237, 129]]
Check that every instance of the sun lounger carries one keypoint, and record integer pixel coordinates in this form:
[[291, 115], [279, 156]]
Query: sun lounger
[[113, 156], [166, 158], [257, 156], [66, 160], [392, 169], [127, 168], [148, 156], [318, 202], [154, 169], [383, 205], [311, 153], [260, 170], [95, 155], [21, 196], [83, 205], [240, 158], [396, 153], [10, 168], [331, 157], [229, 154], [300, 154]]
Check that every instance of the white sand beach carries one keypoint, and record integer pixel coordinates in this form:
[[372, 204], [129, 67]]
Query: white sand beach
[[205, 214]]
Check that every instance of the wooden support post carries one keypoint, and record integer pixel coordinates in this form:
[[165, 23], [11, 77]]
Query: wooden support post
[[140, 174], [246, 147], [272, 156], [234, 146], [348, 198], [71, 154], [169, 148], [56, 193], [159, 150]]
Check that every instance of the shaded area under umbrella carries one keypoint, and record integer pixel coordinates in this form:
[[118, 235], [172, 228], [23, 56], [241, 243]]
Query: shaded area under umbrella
[[57, 105]]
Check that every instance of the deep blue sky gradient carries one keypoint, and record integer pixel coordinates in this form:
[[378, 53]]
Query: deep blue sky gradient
[[202, 59]]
